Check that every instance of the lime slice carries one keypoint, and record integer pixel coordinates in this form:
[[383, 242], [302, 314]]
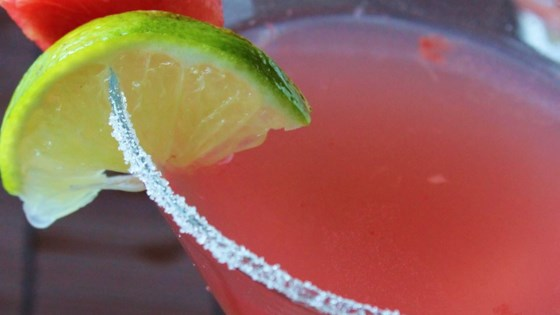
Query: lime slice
[[196, 94]]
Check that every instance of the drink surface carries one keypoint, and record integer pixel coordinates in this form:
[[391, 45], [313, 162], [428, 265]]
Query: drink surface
[[427, 182]]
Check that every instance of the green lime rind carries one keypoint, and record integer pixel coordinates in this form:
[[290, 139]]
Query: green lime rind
[[104, 36]]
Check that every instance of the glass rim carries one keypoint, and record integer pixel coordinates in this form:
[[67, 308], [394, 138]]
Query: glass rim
[[225, 250], [503, 36]]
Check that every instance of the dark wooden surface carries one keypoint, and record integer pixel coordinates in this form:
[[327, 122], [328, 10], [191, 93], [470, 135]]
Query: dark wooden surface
[[117, 256]]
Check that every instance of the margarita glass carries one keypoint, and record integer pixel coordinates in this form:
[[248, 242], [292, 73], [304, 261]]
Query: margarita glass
[[427, 183]]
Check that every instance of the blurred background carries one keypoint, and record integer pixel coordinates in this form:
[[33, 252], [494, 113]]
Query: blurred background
[[117, 255]]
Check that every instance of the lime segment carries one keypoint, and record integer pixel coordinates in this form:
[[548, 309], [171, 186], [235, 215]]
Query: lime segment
[[196, 94]]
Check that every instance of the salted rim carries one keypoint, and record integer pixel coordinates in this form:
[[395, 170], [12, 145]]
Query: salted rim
[[223, 249]]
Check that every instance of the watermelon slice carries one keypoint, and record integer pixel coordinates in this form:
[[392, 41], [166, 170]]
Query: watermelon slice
[[45, 21]]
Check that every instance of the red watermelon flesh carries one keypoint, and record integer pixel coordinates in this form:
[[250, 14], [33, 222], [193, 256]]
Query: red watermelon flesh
[[45, 21]]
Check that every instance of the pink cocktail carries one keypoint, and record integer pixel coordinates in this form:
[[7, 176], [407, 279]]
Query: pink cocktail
[[428, 181]]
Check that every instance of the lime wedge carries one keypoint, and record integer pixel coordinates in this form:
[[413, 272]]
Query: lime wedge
[[196, 94]]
